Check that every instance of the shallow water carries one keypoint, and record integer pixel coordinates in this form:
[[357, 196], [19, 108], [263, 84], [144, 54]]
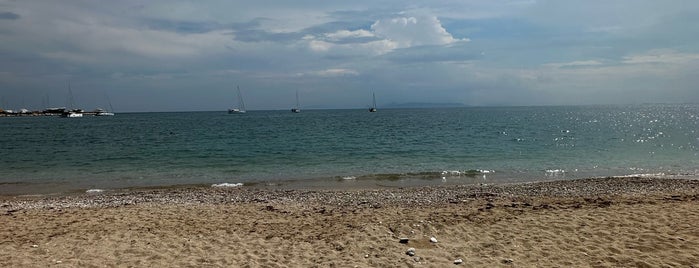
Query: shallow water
[[392, 147]]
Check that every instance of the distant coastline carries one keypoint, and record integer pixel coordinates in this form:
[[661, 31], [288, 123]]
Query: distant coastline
[[424, 105]]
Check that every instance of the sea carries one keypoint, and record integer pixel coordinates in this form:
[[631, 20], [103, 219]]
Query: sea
[[347, 148]]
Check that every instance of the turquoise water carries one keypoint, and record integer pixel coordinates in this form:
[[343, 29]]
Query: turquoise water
[[391, 147]]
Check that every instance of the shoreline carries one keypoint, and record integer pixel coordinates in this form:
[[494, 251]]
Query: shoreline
[[586, 222], [340, 183], [208, 194]]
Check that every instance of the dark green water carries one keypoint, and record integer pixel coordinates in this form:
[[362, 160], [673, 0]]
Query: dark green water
[[390, 147]]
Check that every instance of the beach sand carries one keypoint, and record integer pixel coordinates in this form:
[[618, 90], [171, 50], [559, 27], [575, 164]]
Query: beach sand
[[611, 222]]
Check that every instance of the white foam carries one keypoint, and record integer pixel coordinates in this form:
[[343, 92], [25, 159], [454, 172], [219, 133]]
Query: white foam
[[225, 184], [452, 172], [349, 178], [93, 191], [466, 173], [555, 171], [642, 175]]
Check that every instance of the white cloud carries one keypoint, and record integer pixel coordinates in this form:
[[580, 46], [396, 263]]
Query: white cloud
[[344, 34], [661, 57], [334, 72], [100, 38], [372, 48], [575, 64], [390, 34], [319, 45], [414, 31]]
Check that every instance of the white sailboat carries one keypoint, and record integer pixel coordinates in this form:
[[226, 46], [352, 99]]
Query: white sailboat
[[373, 104], [241, 104], [71, 112], [101, 112], [296, 109]]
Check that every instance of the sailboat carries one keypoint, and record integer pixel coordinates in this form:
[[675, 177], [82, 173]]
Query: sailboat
[[101, 112], [373, 104], [296, 109], [241, 104], [71, 113]]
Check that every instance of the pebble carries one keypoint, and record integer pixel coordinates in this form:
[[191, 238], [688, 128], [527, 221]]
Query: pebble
[[416, 259], [507, 261], [35, 246], [433, 239], [410, 252], [458, 261], [404, 240], [409, 196]]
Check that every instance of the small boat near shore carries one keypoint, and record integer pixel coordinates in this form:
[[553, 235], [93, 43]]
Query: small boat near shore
[[72, 114], [101, 112]]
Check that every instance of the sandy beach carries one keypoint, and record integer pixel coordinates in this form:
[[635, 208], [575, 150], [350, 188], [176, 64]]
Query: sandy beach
[[611, 222]]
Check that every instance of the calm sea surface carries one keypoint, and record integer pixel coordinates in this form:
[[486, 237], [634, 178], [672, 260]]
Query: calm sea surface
[[393, 147]]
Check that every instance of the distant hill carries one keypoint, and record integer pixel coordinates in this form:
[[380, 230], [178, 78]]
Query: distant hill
[[422, 105]]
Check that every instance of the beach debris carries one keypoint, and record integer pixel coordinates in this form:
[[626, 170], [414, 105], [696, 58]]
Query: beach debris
[[433, 239], [410, 252], [403, 240], [35, 246], [366, 256], [506, 261], [458, 261]]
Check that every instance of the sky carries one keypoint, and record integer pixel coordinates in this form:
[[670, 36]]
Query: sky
[[176, 55]]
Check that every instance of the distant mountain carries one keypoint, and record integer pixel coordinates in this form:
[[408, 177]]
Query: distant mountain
[[423, 105]]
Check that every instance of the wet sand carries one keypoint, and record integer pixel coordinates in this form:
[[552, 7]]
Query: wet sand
[[612, 222]]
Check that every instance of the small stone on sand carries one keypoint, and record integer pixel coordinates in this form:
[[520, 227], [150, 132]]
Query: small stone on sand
[[410, 252]]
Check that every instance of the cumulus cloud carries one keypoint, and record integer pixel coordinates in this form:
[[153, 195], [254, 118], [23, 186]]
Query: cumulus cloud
[[384, 36], [371, 48], [414, 31], [345, 34]]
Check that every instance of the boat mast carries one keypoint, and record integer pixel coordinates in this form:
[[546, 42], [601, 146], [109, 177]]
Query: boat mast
[[111, 109], [240, 100], [297, 108], [71, 101], [373, 103]]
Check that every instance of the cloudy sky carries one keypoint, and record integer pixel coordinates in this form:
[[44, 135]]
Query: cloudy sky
[[172, 55]]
